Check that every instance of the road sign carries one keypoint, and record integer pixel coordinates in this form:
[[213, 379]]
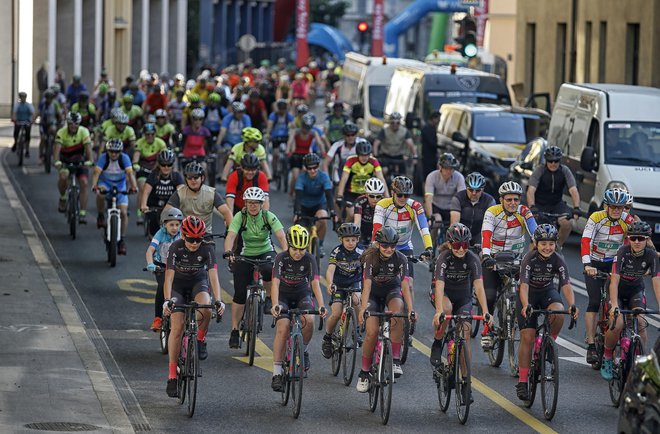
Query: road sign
[[247, 42]]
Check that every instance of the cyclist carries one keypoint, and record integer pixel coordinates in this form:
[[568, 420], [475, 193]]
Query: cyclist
[[159, 186], [365, 206], [389, 145], [50, 115], [191, 269], [164, 129], [341, 150], [197, 199], [120, 130], [156, 256], [295, 279], [251, 229], [246, 176], [145, 158], [114, 169], [251, 144], [334, 123], [195, 136], [232, 126], [255, 107], [503, 229], [86, 109], [385, 287], [194, 102], [603, 234], [440, 187], [469, 206], [279, 123], [538, 270], [344, 271], [213, 115], [22, 116], [357, 170], [176, 108], [314, 196], [300, 144], [301, 110], [133, 111], [546, 188]]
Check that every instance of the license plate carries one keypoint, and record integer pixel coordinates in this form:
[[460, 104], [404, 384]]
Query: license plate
[[657, 228]]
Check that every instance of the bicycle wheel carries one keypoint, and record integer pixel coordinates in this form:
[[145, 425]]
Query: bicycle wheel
[[244, 326], [496, 353], [599, 342], [406, 339], [252, 335], [475, 322], [314, 250], [463, 383], [113, 227], [373, 388], [72, 212], [287, 385], [48, 153], [615, 385], [20, 145], [164, 335], [181, 376], [386, 381], [337, 347], [192, 370], [441, 375], [513, 339], [297, 363], [350, 346], [532, 381], [549, 377]]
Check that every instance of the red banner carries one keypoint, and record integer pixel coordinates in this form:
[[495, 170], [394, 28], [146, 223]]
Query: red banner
[[377, 31], [302, 24], [481, 14]]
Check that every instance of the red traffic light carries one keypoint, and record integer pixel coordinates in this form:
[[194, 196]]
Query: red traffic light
[[363, 26]]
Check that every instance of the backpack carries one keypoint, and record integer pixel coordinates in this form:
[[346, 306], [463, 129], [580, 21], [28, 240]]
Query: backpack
[[264, 215], [120, 161], [239, 185]]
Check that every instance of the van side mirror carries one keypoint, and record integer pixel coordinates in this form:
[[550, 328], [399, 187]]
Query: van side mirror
[[412, 122], [458, 137], [358, 111], [588, 161]]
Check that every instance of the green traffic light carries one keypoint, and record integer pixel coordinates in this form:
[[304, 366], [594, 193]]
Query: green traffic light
[[470, 50]]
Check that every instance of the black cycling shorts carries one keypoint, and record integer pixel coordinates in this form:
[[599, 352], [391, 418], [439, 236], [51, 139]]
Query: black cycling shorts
[[339, 296], [310, 211], [378, 301], [295, 300], [538, 300], [411, 266], [242, 272], [632, 298], [185, 291], [296, 161], [594, 285]]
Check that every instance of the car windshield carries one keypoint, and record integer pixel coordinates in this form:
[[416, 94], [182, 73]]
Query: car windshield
[[632, 143], [504, 127], [377, 97]]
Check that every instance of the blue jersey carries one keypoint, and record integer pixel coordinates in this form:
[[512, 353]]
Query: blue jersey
[[280, 124], [312, 190], [161, 242], [115, 172], [23, 112], [235, 128]]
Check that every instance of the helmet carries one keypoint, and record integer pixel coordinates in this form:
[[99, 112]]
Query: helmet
[[402, 185], [103, 88], [510, 187], [193, 97], [83, 95], [254, 193], [251, 134], [387, 235], [127, 98], [22, 94], [615, 196], [197, 113], [363, 148], [149, 129], [193, 227], [115, 112], [297, 237], [308, 120], [553, 153], [253, 93], [193, 168], [55, 88], [639, 228], [160, 113], [630, 200], [546, 232], [374, 186], [121, 118], [396, 117], [151, 119], [338, 104], [237, 106], [166, 156], [350, 128], [447, 160], [171, 214], [311, 159], [458, 232], [250, 161], [214, 97], [179, 77], [114, 145], [281, 103], [348, 230], [302, 108], [475, 181], [73, 118]]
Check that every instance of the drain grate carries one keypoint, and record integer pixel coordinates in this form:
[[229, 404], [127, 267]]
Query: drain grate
[[62, 426]]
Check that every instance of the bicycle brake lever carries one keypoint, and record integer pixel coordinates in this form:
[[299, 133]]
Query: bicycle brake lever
[[572, 324]]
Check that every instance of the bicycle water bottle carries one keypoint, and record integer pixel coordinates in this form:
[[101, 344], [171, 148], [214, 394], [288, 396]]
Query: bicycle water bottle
[[377, 353], [625, 345], [537, 347], [184, 346], [451, 347]]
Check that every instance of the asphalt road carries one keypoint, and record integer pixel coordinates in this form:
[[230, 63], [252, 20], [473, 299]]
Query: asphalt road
[[234, 397]]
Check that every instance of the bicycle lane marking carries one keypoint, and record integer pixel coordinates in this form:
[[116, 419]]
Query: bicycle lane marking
[[497, 398]]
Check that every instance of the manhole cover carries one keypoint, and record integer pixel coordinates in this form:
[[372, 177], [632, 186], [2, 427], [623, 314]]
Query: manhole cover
[[61, 426]]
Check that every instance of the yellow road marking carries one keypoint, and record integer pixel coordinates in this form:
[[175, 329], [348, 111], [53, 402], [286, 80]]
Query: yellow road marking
[[141, 300], [265, 358], [497, 398]]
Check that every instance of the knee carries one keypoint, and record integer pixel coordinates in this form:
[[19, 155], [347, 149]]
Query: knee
[[593, 305]]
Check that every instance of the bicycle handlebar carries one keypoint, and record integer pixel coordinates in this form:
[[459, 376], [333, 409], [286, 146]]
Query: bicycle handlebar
[[388, 315], [350, 289], [532, 311], [299, 312], [599, 275], [253, 261], [172, 305]]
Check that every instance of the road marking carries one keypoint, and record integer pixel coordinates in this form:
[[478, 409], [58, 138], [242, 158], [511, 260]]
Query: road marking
[[571, 346], [579, 360], [264, 360], [497, 398], [138, 286]]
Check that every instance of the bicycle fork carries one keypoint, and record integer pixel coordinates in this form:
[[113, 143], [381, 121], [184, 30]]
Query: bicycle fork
[[114, 211]]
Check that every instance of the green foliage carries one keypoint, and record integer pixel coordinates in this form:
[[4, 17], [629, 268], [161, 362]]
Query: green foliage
[[328, 12]]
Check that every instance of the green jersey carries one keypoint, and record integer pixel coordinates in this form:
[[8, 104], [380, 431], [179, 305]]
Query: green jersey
[[256, 231]]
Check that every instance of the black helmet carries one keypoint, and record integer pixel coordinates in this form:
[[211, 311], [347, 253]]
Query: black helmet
[[350, 128], [363, 148], [166, 157], [302, 108], [193, 168], [311, 160], [348, 230], [546, 232], [639, 228], [553, 153], [250, 161], [387, 235], [281, 103], [475, 181], [402, 185], [458, 232], [448, 160]]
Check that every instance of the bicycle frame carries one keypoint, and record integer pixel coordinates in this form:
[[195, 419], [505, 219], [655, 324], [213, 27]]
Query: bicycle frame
[[113, 211]]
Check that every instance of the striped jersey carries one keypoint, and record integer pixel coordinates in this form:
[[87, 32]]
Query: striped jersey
[[501, 232], [602, 237], [402, 220]]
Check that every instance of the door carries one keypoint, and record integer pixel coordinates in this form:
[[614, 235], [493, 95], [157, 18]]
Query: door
[[586, 179]]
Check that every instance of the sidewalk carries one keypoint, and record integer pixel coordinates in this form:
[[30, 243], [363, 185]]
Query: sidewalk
[[51, 374]]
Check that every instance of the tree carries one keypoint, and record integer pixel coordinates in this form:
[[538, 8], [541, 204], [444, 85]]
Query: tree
[[328, 12]]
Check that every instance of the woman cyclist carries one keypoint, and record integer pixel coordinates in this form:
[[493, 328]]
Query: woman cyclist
[[161, 183], [300, 144], [145, 159], [365, 206]]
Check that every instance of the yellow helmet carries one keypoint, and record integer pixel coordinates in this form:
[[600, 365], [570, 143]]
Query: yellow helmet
[[297, 237]]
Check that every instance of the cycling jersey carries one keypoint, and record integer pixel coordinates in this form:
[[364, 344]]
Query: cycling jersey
[[391, 142], [502, 232], [303, 145], [149, 151], [161, 242], [85, 112], [238, 152], [550, 185], [234, 128], [385, 273], [280, 124], [176, 108], [194, 141], [114, 171], [539, 272], [339, 153], [23, 112], [359, 174], [472, 214], [334, 126], [191, 266], [162, 188], [213, 119], [632, 269], [126, 136], [402, 220], [256, 234], [312, 190], [602, 237], [458, 274], [48, 113], [134, 113], [200, 204], [295, 276], [366, 212], [348, 271], [237, 184], [441, 190], [72, 146], [165, 131]]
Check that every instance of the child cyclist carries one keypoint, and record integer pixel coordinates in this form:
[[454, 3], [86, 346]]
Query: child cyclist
[[156, 255], [344, 271]]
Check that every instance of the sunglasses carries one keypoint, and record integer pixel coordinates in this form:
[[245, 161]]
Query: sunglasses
[[114, 152], [553, 161], [375, 196], [637, 239], [166, 165], [402, 195], [475, 190], [193, 240], [512, 199], [460, 245], [350, 135], [193, 178], [615, 207], [313, 168], [387, 246]]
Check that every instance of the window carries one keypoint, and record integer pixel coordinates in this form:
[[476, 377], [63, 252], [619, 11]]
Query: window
[[587, 52], [632, 53], [602, 51], [560, 56], [530, 45]]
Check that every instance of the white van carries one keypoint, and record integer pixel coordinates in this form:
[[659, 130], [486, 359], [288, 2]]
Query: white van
[[610, 135], [364, 84]]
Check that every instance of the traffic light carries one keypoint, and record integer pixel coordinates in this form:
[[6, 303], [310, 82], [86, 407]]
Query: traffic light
[[467, 37], [363, 31], [363, 26]]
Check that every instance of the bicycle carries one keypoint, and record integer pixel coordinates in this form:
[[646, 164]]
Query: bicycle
[[165, 328], [630, 346], [476, 307], [72, 197], [293, 368], [280, 163], [23, 141], [188, 370], [345, 338], [309, 222], [113, 228], [381, 374], [451, 373], [544, 367], [408, 326], [603, 324], [151, 222], [48, 147]]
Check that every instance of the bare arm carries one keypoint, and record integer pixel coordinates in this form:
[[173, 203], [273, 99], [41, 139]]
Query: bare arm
[[531, 192], [342, 184], [281, 239], [454, 217], [167, 284], [575, 196], [149, 255], [229, 241], [329, 276], [226, 213], [215, 283], [146, 191]]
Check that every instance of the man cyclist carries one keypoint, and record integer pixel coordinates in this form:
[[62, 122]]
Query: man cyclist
[[301, 142], [252, 230], [341, 150], [334, 122], [145, 158], [389, 145], [73, 144], [164, 129], [546, 188], [213, 115], [232, 126], [603, 234], [120, 130], [191, 269], [503, 230], [295, 279], [251, 144], [440, 187], [365, 206], [246, 176], [86, 109], [469, 206], [133, 111], [277, 130], [50, 115], [22, 116]]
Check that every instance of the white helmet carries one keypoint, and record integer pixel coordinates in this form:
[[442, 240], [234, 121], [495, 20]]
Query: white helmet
[[510, 187], [254, 193], [374, 186]]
